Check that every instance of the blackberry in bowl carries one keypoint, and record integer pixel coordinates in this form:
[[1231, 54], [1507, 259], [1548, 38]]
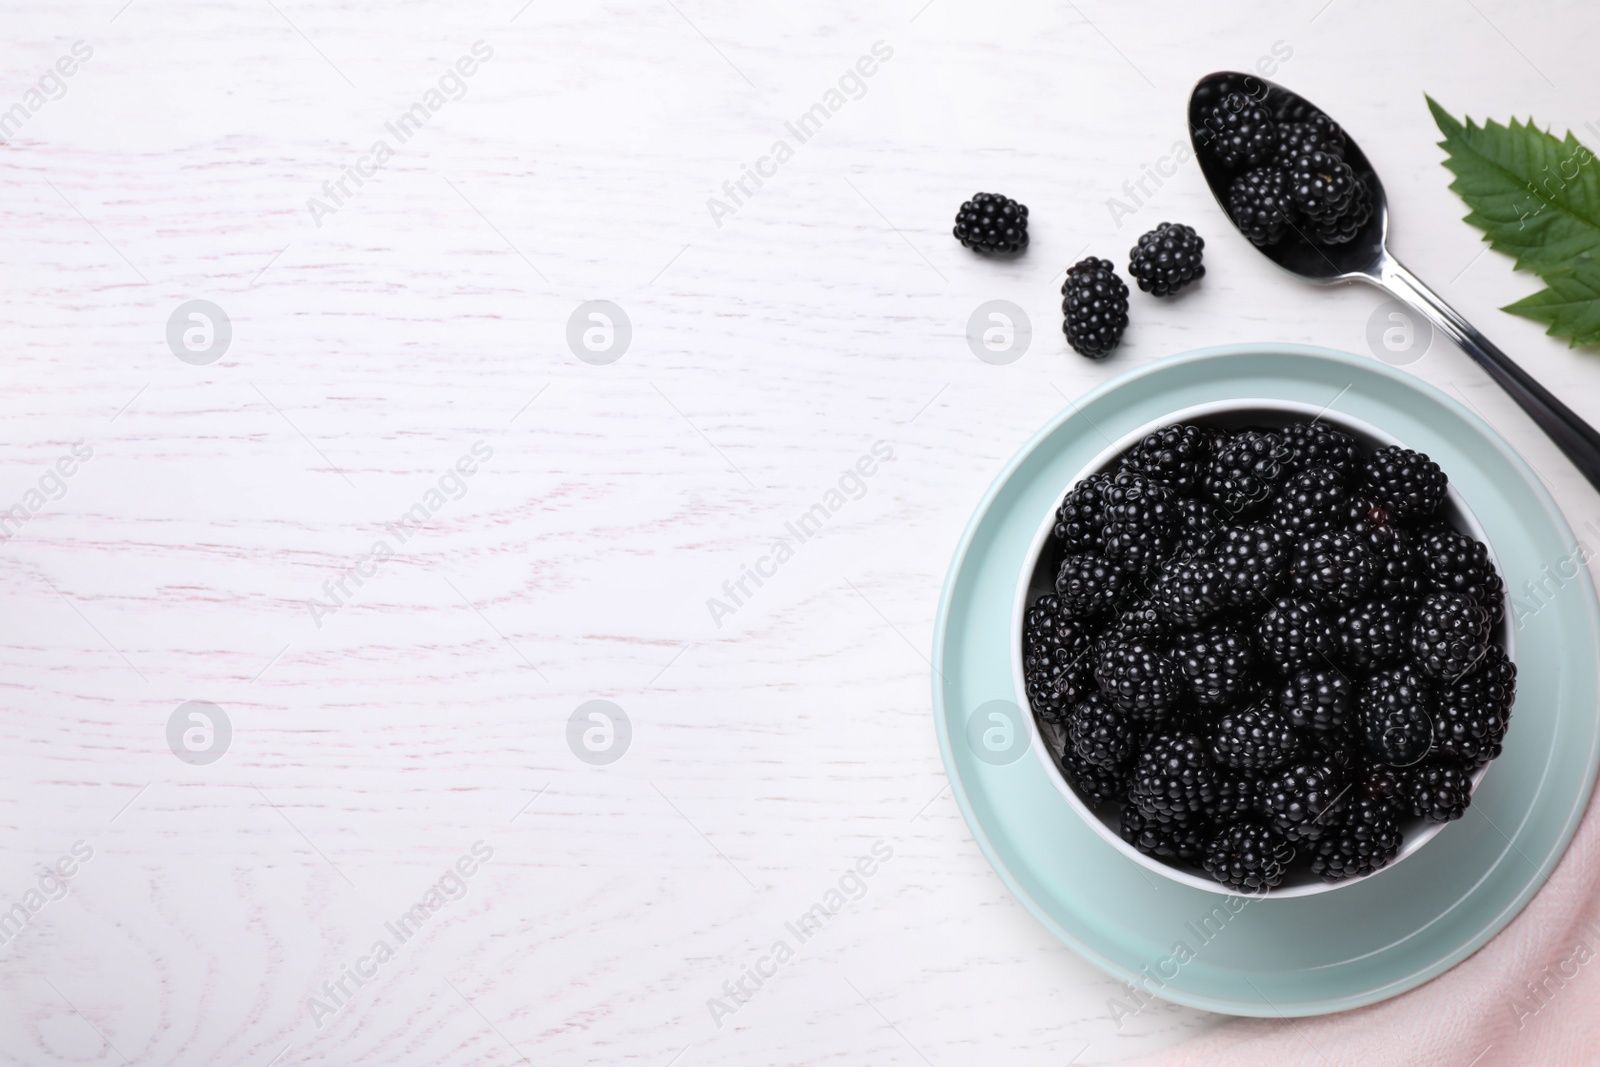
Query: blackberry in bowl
[[1265, 648]]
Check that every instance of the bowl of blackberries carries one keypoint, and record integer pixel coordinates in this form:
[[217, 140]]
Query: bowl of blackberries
[[1265, 648]]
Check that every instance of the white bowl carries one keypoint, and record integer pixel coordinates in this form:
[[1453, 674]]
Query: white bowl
[[1038, 580]]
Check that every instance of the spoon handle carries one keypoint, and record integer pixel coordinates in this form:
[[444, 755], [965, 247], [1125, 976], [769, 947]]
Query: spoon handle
[[1571, 434]]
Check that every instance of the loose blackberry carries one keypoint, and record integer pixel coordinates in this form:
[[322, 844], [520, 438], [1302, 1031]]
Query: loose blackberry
[[1187, 591], [1396, 716], [1100, 733], [1097, 784], [1334, 568], [1140, 519], [1294, 635], [1081, 518], [1251, 562], [1219, 666], [1244, 133], [1255, 738], [1318, 702], [1095, 305], [1238, 796], [1367, 838], [1259, 204], [990, 222], [1474, 711], [1089, 585], [1375, 634], [1399, 572], [1318, 133], [1303, 800], [1407, 483], [1436, 791], [1449, 634], [1316, 444], [1456, 563], [1250, 857], [1342, 228], [1321, 185], [1139, 621], [1167, 258], [1198, 526], [1055, 659], [1175, 777], [1171, 456], [1143, 682], [1246, 470], [1172, 840], [1310, 502]]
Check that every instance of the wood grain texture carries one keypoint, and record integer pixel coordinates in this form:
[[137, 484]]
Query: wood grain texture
[[429, 313]]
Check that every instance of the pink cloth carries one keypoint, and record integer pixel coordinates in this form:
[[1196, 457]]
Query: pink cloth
[[1530, 996]]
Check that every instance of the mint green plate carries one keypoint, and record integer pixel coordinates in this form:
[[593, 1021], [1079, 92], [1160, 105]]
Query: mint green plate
[[1263, 956]]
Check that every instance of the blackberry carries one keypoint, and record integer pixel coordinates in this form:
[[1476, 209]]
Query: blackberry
[[1335, 568], [1259, 204], [1100, 734], [1142, 681], [1097, 784], [1219, 666], [1449, 635], [1473, 712], [1175, 777], [1310, 502], [1303, 800], [1138, 622], [1089, 585], [1318, 701], [1172, 840], [990, 222], [1456, 563], [1321, 185], [1095, 306], [1171, 455], [1395, 709], [1407, 483], [1080, 520], [1215, 90], [1251, 562], [1399, 573], [1316, 444], [1197, 526], [1342, 228], [1140, 514], [1244, 133], [1187, 591], [1250, 857], [1167, 258], [1317, 133], [1436, 791], [1055, 651], [1367, 838], [1238, 796], [1294, 635], [1375, 634], [1256, 738], [1246, 470]]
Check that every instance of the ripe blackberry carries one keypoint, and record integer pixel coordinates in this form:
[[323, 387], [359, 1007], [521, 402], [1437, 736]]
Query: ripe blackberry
[[1095, 783], [1174, 778], [1251, 562], [1317, 133], [1171, 456], [1342, 228], [1100, 733], [1095, 306], [1375, 634], [1219, 666], [1139, 621], [1198, 526], [1176, 839], [1321, 185], [1334, 568], [1318, 702], [1303, 800], [1259, 204], [1395, 709], [1449, 634], [1311, 502], [1187, 591], [1255, 738], [1081, 518], [1055, 659], [1366, 838], [1436, 790], [1142, 681], [1474, 711], [1140, 516], [1456, 563], [1399, 572], [1238, 796], [1250, 857], [1294, 634], [1244, 133], [1089, 585], [1407, 483], [1167, 258], [1246, 470], [1316, 444], [990, 222]]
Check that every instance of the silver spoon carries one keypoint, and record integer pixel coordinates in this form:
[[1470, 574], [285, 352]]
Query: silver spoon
[[1367, 258]]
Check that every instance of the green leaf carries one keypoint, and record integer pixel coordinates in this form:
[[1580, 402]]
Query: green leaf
[[1536, 197], [1570, 307]]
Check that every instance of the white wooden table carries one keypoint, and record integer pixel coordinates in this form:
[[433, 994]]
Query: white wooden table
[[390, 733]]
